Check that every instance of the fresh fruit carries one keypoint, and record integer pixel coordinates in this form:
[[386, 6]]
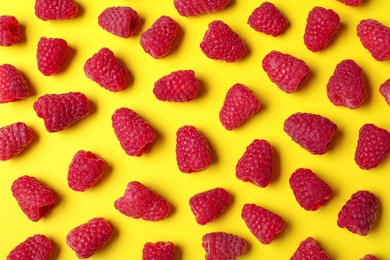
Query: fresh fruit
[[55, 9], [9, 30], [223, 246], [121, 21], [268, 19], [369, 257], [158, 251], [309, 249], [13, 86], [384, 90], [375, 37], [14, 138], [198, 7], [351, 2], [51, 54], [35, 247]]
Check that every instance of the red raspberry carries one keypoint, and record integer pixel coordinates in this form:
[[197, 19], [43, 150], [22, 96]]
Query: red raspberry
[[262, 223], [84, 170], [59, 111], [13, 86], [178, 86], [286, 71], [35, 198], [139, 201], [351, 2], [312, 132], [359, 213], [198, 7], [347, 86], [106, 70], [239, 105], [208, 205], [51, 54], [121, 21], [55, 9], [309, 190], [88, 238], [220, 42], [35, 247], [158, 39], [375, 37], [268, 19], [9, 30], [135, 135], [158, 251], [192, 150], [372, 147], [309, 249], [384, 90], [369, 257], [223, 246], [255, 166], [14, 138]]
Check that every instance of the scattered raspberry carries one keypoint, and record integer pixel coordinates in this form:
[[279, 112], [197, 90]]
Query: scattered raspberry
[[351, 2], [192, 150], [139, 201], [268, 19], [375, 37], [369, 257], [255, 166], [198, 7], [135, 135], [178, 86], [121, 21], [35, 198], [372, 147], [239, 105], [158, 39], [359, 213], [59, 111], [51, 54], [14, 138], [309, 249], [384, 90], [208, 205], [286, 71], [9, 30], [312, 132], [262, 223], [84, 170], [55, 9], [13, 86], [223, 246], [158, 251], [88, 238], [35, 247]]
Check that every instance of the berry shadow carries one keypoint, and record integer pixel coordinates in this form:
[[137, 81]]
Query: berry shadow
[[334, 38], [276, 167], [336, 140], [22, 38], [178, 40], [114, 237], [56, 250], [80, 10], [202, 91], [178, 255], [231, 4], [106, 174], [31, 88], [369, 90], [68, 59]]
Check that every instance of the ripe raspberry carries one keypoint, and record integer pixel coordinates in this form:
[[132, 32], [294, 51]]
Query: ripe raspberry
[[359, 213], [135, 135], [121, 21], [192, 150], [208, 205], [59, 111], [223, 246], [375, 37], [88, 238], [286, 71], [158, 251], [178, 86], [384, 90], [139, 201], [55, 9], [197, 7], [84, 170], [9, 30], [262, 223], [13, 86], [321, 25], [106, 70], [158, 39], [220, 42], [255, 166], [369, 257], [351, 2], [372, 147], [14, 138], [268, 19], [309, 249], [35, 247], [239, 105], [35, 198], [51, 54], [309, 190], [347, 86], [312, 132]]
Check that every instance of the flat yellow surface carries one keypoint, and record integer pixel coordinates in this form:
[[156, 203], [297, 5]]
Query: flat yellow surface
[[48, 156]]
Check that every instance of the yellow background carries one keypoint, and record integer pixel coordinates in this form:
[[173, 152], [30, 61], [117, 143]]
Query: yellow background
[[48, 156]]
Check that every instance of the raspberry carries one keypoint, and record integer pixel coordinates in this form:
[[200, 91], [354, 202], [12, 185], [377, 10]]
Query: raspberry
[[135, 135], [255, 166], [34, 197], [55, 9], [384, 90], [262, 223], [369, 257], [309, 249], [286, 71], [192, 150], [51, 54], [372, 147], [268, 19], [84, 170], [13, 86], [14, 138], [9, 30], [34, 247], [121, 21], [239, 105], [159, 250], [139, 201], [159, 38], [208, 205], [88, 238], [311, 131], [309, 190], [359, 213], [59, 111], [375, 37], [178, 86], [106, 70], [223, 246], [351, 2], [347, 86], [220, 42], [198, 7]]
